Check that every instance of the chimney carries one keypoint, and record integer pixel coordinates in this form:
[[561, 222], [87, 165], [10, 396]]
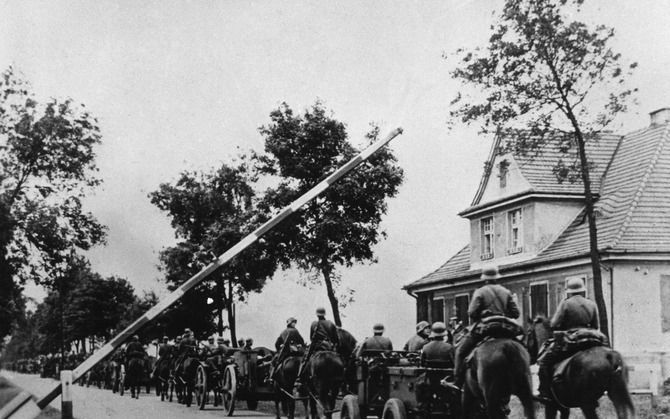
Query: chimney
[[659, 116]]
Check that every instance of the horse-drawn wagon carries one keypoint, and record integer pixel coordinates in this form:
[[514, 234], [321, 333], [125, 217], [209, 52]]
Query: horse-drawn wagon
[[245, 377], [393, 385]]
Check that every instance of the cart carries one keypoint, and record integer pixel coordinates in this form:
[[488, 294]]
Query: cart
[[392, 385], [209, 379], [246, 377]]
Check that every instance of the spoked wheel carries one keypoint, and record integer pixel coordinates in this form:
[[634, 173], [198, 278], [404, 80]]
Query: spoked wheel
[[229, 390], [350, 408], [201, 390], [394, 409]]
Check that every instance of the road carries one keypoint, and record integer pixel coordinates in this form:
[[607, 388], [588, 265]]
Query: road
[[94, 403]]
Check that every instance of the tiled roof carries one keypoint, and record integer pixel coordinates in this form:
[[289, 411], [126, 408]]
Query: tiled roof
[[537, 169], [633, 212]]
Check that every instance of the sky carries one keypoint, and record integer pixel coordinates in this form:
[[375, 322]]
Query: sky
[[185, 85]]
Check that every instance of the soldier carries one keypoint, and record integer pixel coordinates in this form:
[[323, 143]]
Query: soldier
[[248, 344], [437, 353], [240, 343], [164, 354], [135, 349], [417, 342], [377, 341], [490, 300], [323, 336], [290, 335], [574, 312], [186, 347]]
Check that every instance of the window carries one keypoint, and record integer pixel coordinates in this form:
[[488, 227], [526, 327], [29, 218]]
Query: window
[[503, 168], [514, 232], [462, 302], [487, 238], [539, 299], [665, 307], [437, 310]]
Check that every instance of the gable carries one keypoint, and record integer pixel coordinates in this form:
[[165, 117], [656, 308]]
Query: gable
[[505, 179]]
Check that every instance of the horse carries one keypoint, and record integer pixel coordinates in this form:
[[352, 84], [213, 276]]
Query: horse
[[134, 376], [184, 377], [325, 370], [162, 375], [499, 368], [587, 375], [284, 380], [346, 350]]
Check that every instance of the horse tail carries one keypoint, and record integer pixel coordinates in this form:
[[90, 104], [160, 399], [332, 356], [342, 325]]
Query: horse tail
[[618, 388]]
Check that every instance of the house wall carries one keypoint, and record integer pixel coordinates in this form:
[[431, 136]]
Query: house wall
[[642, 318], [637, 296], [542, 222], [515, 181]]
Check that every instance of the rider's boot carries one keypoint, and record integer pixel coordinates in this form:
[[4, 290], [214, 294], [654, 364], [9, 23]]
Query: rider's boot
[[544, 375]]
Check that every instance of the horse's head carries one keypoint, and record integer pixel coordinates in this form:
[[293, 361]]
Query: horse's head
[[539, 330]]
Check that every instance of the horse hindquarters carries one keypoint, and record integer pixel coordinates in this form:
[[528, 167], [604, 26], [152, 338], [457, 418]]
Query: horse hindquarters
[[618, 388]]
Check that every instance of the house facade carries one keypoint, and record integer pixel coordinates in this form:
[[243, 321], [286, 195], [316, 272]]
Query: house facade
[[533, 227]]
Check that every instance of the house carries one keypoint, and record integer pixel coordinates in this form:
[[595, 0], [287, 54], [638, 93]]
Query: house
[[533, 227]]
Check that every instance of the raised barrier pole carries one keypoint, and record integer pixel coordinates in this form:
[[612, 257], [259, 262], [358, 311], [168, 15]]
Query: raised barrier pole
[[218, 262]]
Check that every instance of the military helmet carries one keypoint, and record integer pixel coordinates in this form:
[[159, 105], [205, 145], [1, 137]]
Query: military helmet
[[320, 311], [165, 338], [490, 273], [575, 285], [220, 340], [422, 325], [438, 329], [135, 337], [378, 327], [291, 320]]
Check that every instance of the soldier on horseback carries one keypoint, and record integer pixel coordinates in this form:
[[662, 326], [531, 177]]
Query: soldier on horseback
[[289, 340], [488, 301], [574, 312], [420, 339], [323, 336], [135, 349]]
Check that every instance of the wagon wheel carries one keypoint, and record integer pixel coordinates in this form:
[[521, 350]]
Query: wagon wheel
[[350, 409], [229, 390], [394, 409], [201, 389]]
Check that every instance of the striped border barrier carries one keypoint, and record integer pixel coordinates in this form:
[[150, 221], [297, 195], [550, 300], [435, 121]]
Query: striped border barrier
[[116, 341]]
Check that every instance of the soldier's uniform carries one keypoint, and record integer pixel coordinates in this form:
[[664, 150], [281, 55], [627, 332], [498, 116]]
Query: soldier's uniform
[[377, 342], [417, 342], [323, 336], [574, 312], [290, 335], [437, 353], [135, 349], [490, 300]]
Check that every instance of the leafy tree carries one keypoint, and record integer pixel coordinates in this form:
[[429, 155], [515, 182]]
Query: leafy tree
[[545, 77], [211, 212], [47, 162], [96, 307], [341, 227]]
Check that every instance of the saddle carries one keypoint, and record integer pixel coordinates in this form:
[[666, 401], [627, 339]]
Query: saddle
[[499, 327]]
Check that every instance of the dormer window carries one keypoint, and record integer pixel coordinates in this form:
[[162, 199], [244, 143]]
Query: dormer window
[[487, 238], [503, 173]]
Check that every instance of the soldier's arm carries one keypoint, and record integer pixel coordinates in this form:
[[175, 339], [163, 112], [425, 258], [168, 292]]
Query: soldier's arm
[[595, 321], [557, 320], [278, 343], [512, 308], [475, 308], [299, 340]]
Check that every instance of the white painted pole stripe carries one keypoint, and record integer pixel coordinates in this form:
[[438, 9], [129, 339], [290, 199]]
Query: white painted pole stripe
[[221, 260], [21, 406]]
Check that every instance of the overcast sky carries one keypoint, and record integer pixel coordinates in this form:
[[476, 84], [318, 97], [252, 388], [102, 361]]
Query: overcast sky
[[182, 85]]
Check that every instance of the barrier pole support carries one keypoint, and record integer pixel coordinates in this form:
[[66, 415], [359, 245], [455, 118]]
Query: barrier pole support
[[66, 395]]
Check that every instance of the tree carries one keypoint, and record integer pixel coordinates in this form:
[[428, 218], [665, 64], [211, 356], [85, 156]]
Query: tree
[[341, 227], [545, 77], [212, 211], [47, 162]]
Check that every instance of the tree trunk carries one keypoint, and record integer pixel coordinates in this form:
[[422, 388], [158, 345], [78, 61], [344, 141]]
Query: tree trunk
[[593, 232], [334, 304]]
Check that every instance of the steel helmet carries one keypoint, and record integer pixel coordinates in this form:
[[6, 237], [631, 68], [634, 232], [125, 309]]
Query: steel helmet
[[438, 329], [422, 325], [378, 328], [490, 273], [320, 311], [575, 285]]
